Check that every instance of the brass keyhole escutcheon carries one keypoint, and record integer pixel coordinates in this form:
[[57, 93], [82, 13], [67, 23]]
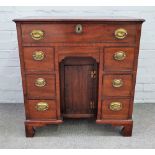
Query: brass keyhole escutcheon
[[78, 28], [38, 55], [117, 83], [115, 106], [120, 55], [92, 105], [42, 106], [40, 82], [37, 34], [120, 33], [93, 74]]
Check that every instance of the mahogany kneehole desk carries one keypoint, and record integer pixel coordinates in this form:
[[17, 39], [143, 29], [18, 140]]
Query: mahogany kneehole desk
[[78, 68]]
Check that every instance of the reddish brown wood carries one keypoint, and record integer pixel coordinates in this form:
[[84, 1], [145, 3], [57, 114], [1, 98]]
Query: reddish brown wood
[[110, 64], [68, 87], [79, 91], [127, 125], [138, 35], [34, 114], [45, 65], [30, 125], [110, 90], [80, 44], [58, 33], [29, 130], [63, 52], [121, 114], [100, 83], [45, 92], [127, 130], [69, 51]]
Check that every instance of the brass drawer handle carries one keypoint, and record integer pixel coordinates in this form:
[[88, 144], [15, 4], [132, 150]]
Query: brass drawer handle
[[38, 55], [78, 28], [115, 106], [120, 55], [117, 83], [42, 106], [120, 33], [40, 82], [37, 34]]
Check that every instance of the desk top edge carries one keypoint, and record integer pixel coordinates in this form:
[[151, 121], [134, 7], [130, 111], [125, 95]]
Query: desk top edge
[[78, 19]]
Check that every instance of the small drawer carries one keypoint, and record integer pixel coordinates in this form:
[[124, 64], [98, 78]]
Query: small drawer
[[40, 86], [117, 85], [41, 109], [115, 108], [118, 59], [78, 32], [38, 59]]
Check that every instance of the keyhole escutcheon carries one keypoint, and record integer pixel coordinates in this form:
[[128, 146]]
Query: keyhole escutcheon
[[78, 28]]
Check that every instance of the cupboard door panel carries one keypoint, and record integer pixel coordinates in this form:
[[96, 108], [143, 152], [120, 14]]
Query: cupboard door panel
[[79, 87]]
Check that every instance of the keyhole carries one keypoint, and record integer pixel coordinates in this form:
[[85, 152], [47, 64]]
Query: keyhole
[[78, 28]]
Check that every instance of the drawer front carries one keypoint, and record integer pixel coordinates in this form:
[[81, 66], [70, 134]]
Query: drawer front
[[40, 86], [41, 109], [115, 108], [78, 32], [117, 85], [38, 59], [118, 59]]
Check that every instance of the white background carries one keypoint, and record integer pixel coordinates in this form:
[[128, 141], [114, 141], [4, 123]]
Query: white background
[[10, 79]]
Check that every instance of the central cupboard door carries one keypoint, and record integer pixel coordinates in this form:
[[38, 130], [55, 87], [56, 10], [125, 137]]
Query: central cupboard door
[[78, 87]]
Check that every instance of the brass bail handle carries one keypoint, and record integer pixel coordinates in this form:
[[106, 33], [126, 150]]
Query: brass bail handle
[[115, 106], [120, 55], [37, 34], [40, 82], [38, 55], [121, 33], [117, 83], [78, 28], [42, 106]]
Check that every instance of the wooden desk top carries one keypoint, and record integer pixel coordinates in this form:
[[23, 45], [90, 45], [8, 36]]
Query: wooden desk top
[[79, 18]]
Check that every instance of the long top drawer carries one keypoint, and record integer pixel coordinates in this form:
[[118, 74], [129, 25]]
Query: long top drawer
[[78, 32]]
